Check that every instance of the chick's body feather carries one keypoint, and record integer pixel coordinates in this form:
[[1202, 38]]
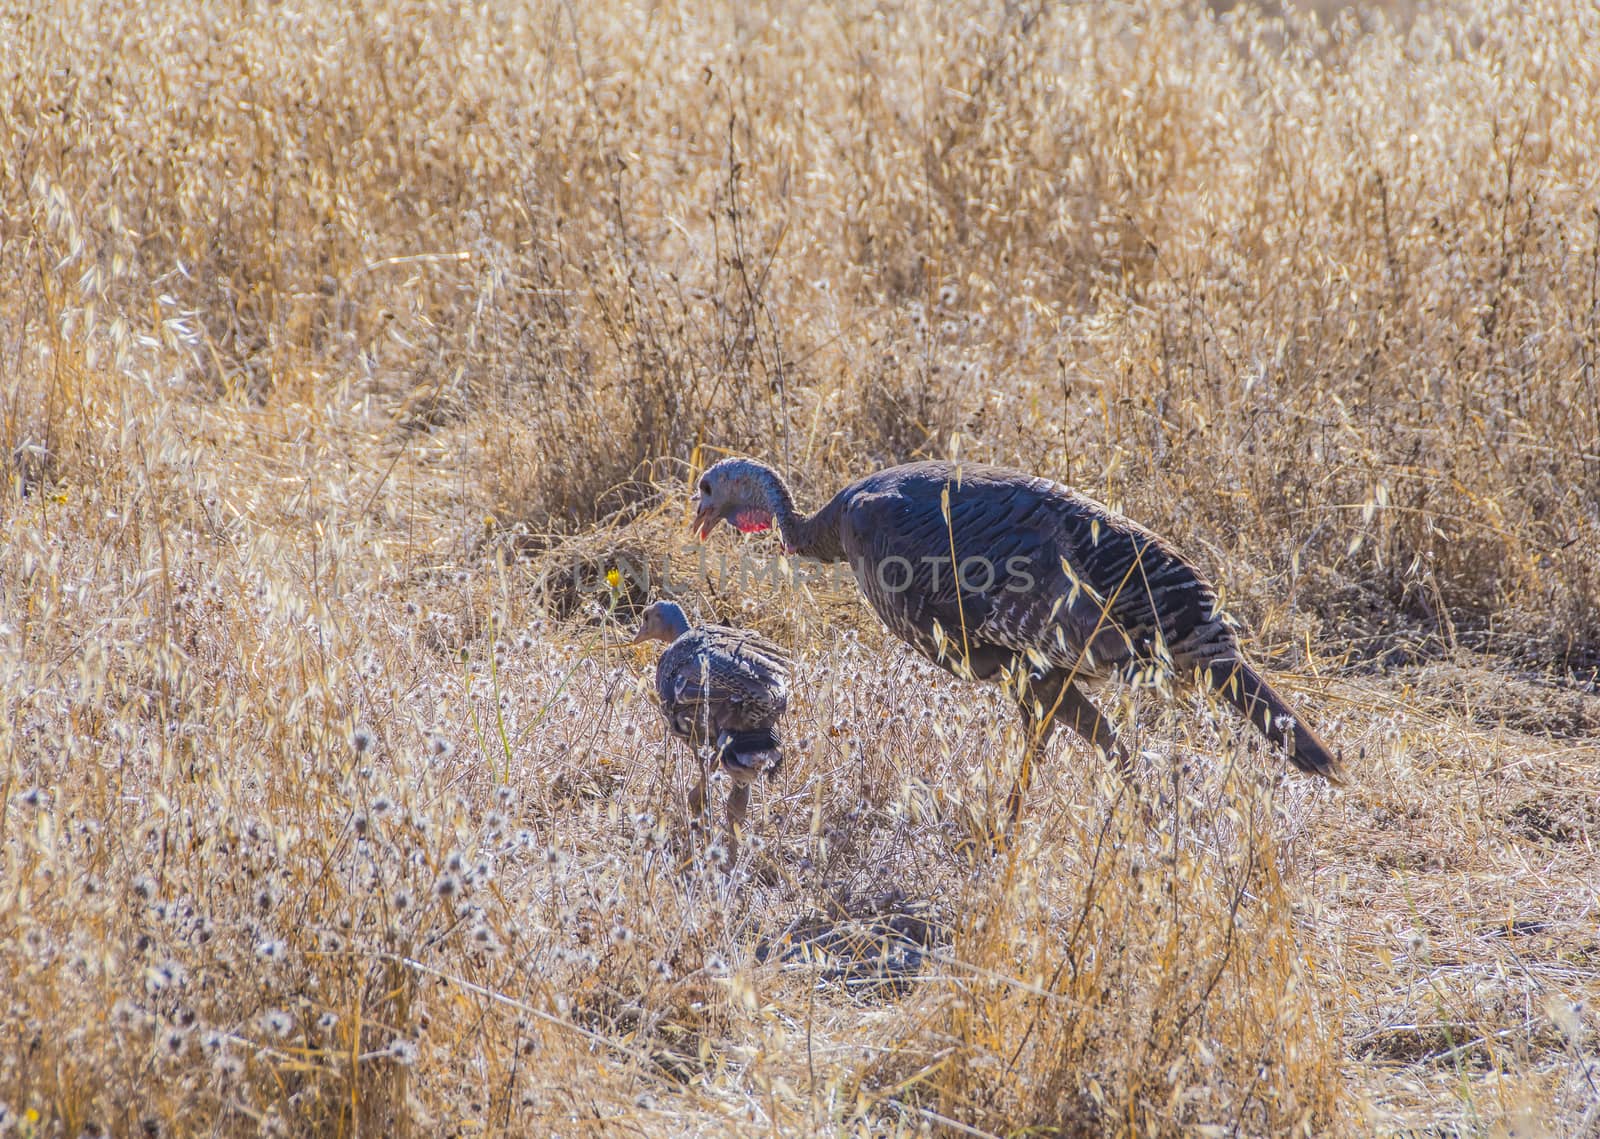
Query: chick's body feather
[[726, 688]]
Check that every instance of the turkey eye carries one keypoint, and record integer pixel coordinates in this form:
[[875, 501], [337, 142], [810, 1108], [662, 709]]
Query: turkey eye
[[705, 486]]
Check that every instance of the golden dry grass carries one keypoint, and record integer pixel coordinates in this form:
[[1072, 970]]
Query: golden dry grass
[[342, 349]]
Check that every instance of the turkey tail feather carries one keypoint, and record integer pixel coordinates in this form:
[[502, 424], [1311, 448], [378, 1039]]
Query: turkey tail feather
[[750, 750], [1246, 689]]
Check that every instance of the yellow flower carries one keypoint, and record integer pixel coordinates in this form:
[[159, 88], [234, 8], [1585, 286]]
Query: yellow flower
[[613, 577]]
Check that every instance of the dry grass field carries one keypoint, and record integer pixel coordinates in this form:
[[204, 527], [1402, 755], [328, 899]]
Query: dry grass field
[[345, 348]]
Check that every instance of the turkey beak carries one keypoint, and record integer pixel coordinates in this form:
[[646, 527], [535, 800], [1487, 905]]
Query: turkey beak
[[705, 517]]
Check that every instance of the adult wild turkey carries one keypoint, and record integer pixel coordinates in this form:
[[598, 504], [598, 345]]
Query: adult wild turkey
[[995, 574], [720, 688]]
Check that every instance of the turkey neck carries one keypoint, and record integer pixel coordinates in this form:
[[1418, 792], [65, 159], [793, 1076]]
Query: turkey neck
[[810, 536]]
